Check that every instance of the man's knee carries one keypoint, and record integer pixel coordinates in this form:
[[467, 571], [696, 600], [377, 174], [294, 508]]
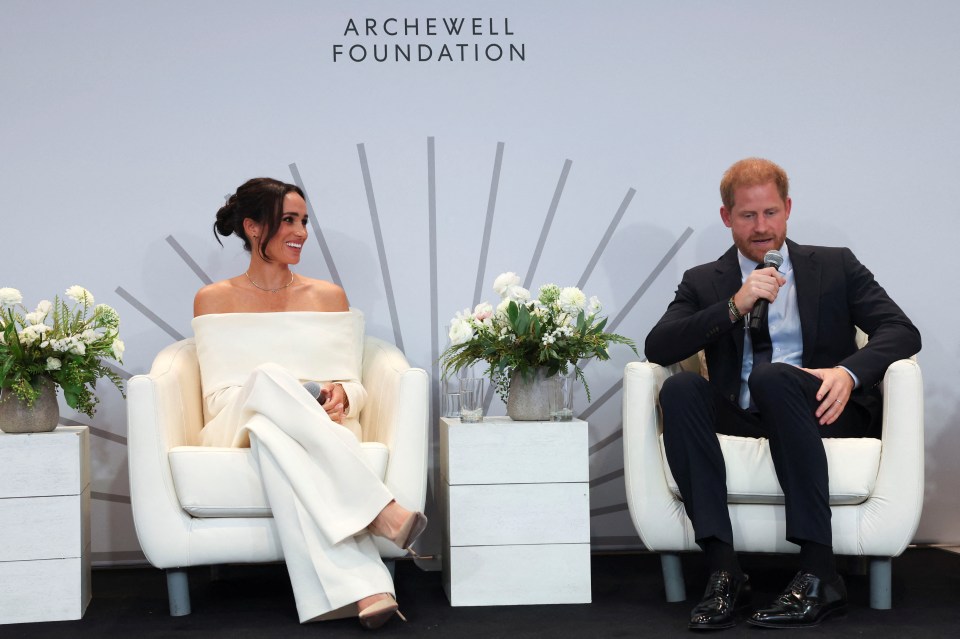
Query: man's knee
[[768, 379], [682, 387]]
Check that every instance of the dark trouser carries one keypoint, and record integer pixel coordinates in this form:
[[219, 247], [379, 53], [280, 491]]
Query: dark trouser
[[694, 413]]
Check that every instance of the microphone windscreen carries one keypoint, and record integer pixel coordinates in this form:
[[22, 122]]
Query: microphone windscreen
[[313, 388], [773, 258]]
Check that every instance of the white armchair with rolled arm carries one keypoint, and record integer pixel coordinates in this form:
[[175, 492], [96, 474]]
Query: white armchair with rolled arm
[[196, 505], [876, 486]]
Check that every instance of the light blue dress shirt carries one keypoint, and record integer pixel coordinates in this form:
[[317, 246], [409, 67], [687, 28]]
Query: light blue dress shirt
[[783, 319]]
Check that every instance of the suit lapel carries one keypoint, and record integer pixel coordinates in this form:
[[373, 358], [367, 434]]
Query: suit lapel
[[729, 280], [806, 274]]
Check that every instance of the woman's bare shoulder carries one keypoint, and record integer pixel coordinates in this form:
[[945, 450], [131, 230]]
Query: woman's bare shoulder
[[219, 297], [327, 296]]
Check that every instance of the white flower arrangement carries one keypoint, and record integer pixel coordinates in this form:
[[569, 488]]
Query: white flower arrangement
[[556, 330], [67, 345]]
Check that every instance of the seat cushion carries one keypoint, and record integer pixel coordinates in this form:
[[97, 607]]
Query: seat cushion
[[751, 479], [224, 482]]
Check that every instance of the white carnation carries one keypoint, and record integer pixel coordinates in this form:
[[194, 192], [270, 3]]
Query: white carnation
[[504, 282], [53, 364], [35, 318], [502, 307], [10, 296], [80, 295], [77, 347], [572, 300], [461, 332]]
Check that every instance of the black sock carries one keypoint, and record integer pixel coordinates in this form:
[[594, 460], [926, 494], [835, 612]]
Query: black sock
[[818, 559], [720, 556]]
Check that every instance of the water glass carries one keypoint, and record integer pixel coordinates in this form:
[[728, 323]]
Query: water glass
[[451, 398], [471, 399], [561, 397]]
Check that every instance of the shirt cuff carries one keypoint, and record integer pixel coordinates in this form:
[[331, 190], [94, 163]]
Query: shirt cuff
[[856, 382]]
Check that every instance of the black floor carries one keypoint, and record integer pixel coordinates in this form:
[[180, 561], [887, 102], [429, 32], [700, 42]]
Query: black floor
[[255, 601]]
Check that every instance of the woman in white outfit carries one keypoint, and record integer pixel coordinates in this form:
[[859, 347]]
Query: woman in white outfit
[[280, 358]]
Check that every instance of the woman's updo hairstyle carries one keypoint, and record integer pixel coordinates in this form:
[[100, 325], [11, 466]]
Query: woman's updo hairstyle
[[261, 200]]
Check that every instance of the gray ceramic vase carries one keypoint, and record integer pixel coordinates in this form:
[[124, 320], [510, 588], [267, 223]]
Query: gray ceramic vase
[[42, 417], [529, 399]]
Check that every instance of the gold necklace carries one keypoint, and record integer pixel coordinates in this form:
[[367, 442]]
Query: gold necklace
[[269, 290]]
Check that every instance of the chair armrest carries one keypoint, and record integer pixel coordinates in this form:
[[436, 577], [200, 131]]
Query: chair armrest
[[163, 407], [897, 500], [649, 499], [397, 415]]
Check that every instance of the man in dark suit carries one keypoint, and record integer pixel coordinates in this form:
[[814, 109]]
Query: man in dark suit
[[795, 378]]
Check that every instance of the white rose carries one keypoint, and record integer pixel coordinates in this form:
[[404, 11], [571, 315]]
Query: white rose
[[118, 348], [504, 281], [78, 348], [483, 311], [594, 306], [29, 335], [461, 332], [517, 294], [80, 295], [10, 296], [572, 300], [53, 364]]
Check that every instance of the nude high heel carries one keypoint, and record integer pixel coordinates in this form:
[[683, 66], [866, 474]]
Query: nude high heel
[[379, 613], [412, 527]]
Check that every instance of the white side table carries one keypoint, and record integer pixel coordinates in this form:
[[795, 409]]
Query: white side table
[[516, 504], [44, 525]]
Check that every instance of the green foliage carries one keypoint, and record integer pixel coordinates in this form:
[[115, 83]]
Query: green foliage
[[554, 332], [66, 344]]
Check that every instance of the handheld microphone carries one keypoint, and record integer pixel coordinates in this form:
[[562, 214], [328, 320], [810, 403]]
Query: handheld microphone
[[316, 391], [759, 313]]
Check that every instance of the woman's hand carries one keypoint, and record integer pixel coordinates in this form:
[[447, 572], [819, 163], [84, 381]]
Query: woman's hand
[[336, 401]]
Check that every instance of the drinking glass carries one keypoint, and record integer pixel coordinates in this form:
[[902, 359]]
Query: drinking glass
[[471, 399]]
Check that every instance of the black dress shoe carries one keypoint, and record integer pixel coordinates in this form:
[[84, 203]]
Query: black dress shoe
[[725, 595], [806, 602]]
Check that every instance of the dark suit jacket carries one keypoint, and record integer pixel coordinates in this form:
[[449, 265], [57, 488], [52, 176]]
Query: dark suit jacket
[[835, 294]]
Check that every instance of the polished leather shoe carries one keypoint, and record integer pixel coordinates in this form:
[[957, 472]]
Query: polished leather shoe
[[725, 595], [806, 602]]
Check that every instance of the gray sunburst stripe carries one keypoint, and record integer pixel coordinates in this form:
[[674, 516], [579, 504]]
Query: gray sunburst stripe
[[609, 439], [315, 225], [606, 510], [381, 251], [150, 315], [612, 326], [602, 246], [96, 432], [602, 479], [182, 252], [547, 223], [117, 499], [597, 403], [488, 225], [434, 302]]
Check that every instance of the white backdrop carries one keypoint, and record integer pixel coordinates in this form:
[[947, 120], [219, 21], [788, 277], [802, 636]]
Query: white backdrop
[[124, 124]]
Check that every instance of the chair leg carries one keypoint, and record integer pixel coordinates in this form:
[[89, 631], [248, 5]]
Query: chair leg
[[673, 576], [178, 592], [881, 572]]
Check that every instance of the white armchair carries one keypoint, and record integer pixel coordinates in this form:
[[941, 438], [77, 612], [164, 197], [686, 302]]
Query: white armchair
[[876, 486], [196, 505]]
